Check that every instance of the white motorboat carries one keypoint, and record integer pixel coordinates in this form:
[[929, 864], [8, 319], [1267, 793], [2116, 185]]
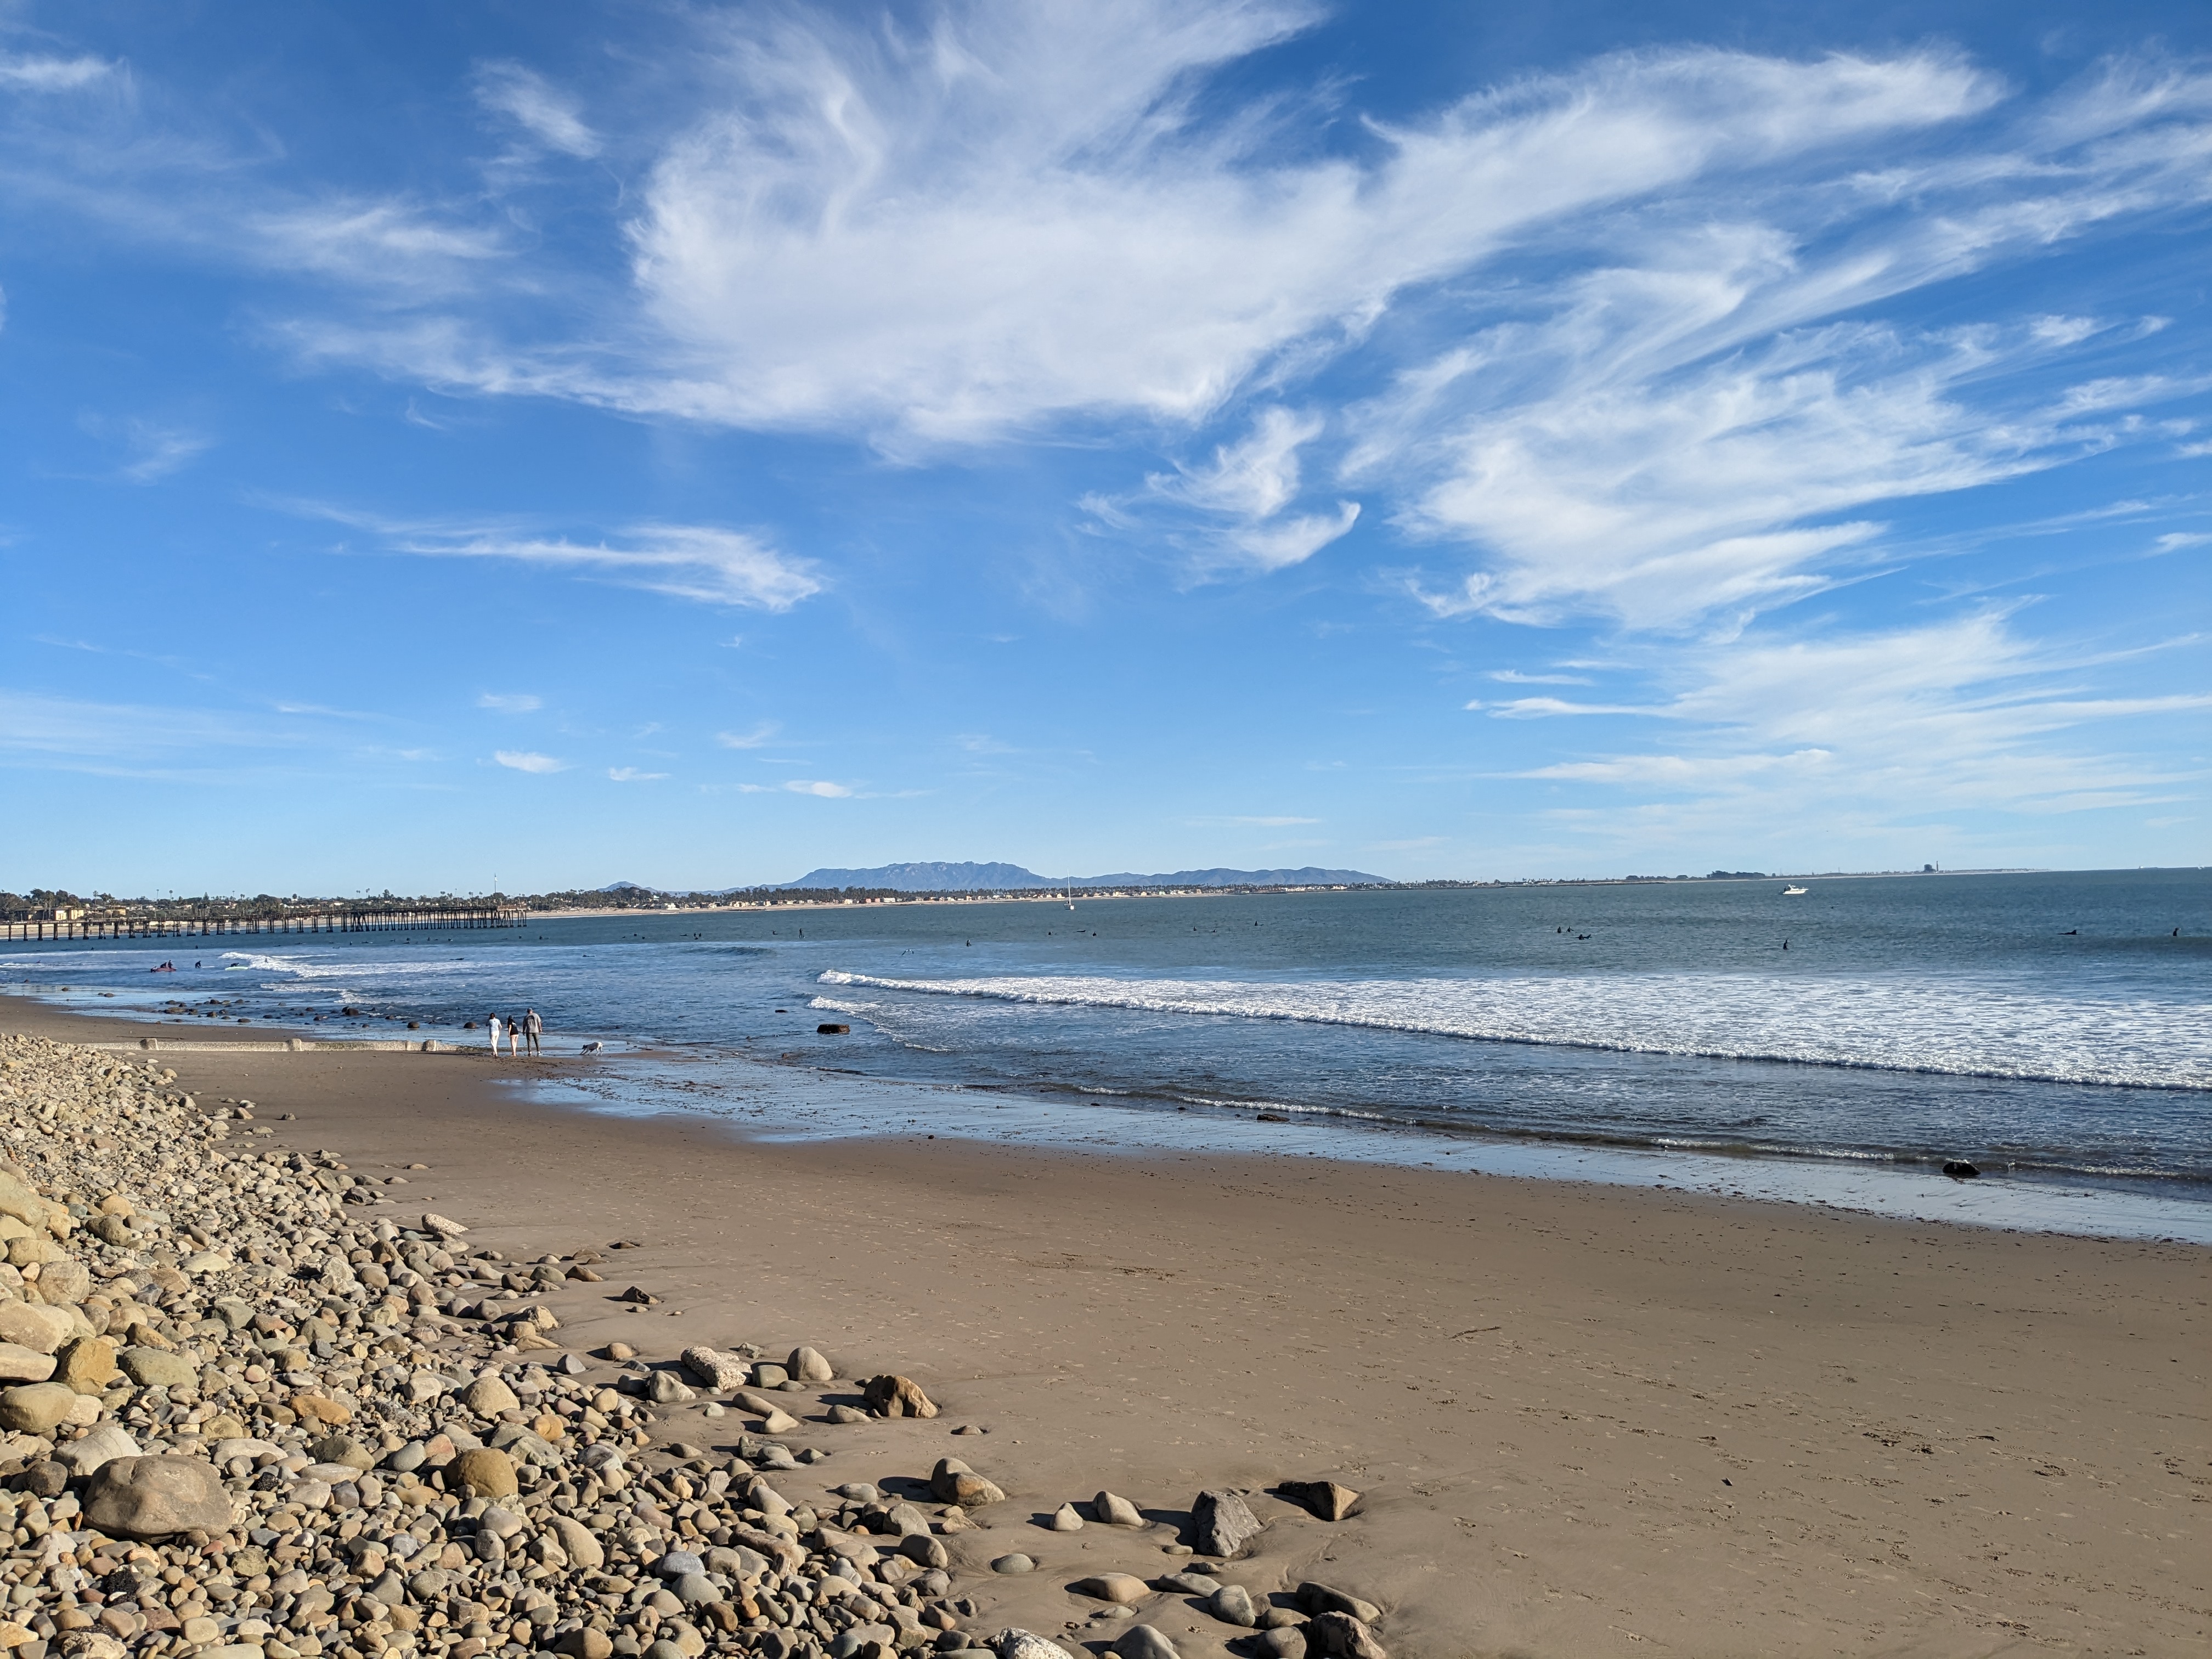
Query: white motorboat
[[1794, 891]]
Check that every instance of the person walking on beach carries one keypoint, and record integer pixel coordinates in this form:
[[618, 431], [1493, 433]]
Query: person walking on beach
[[494, 1022], [532, 1027]]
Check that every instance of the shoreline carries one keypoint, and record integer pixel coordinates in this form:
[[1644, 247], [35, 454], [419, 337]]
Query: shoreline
[[1937, 1439], [803, 1097]]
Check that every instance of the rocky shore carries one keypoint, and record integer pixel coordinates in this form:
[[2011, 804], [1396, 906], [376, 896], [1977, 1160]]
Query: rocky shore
[[256, 1408]]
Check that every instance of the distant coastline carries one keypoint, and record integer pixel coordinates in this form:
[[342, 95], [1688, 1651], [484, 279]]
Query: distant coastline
[[674, 902]]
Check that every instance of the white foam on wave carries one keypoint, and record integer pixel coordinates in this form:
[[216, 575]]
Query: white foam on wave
[[308, 968], [1960, 1029]]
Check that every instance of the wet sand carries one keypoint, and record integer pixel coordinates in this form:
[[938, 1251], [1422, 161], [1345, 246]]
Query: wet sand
[[1587, 1420]]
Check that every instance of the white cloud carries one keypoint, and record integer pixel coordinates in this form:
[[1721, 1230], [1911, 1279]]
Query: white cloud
[[1026, 211], [160, 451], [511, 703], [1236, 501], [1514, 677], [1657, 498], [1681, 771], [690, 561], [1277, 545], [1604, 301], [1267, 823], [523, 760], [546, 114], [50, 74], [1952, 716], [74, 728], [1254, 479], [631, 775], [686, 562], [1529, 708], [1677, 428], [755, 739], [1022, 215], [815, 786], [151, 450], [401, 250]]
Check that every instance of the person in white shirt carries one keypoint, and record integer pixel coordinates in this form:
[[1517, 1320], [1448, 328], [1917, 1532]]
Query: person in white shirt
[[493, 1023]]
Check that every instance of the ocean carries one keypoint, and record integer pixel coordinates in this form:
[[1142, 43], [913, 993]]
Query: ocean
[[2055, 1029]]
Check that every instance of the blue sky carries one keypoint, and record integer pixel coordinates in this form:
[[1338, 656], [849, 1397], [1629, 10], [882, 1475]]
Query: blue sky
[[451, 443]]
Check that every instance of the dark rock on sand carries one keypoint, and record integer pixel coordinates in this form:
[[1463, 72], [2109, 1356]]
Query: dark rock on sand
[[157, 1498], [1222, 1523]]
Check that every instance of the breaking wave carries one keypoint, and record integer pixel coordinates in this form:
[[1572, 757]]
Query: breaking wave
[[1893, 1025]]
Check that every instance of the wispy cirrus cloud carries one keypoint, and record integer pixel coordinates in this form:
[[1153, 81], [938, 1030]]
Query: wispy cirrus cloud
[[26, 73], [632, 774], [1531, 708], [511, 703], [1965, 713], [1233, 510], [150, 451], [33, 723], [685, 561], [548, 116], [1025, 213], [1514, 677], [760, 736], [817, 787], [703, 562], [524, 760], [1651, 271]]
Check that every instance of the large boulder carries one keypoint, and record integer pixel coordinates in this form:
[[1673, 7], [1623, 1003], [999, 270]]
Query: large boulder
[[1339, 1636], [722, 1371], [64, 1282], [30, 1326], [86, 1364], [156, 1368], [577, 1542], [344, 1449], [36, 1408], [1025, 1644], [489, 1395], [1110, 1511], [1125, 1588], [98, 1449], [486, 1473], [1318, 1599], [157, 1498], [897, 1396], [21, 1364], [1326, 1498], [1222, 1523], [953, 1482], [16, 1198], [316, 1408]]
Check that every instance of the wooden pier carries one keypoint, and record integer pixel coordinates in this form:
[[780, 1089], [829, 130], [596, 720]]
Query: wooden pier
[[350, 918]]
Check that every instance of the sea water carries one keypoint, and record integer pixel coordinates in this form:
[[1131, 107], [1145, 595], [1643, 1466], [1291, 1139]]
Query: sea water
[[2056, 1029]]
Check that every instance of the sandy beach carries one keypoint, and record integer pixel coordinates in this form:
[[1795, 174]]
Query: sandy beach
[[1584, 1420]]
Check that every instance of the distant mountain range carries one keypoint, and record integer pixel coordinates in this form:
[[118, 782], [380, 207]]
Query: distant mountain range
[[942, 877]]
